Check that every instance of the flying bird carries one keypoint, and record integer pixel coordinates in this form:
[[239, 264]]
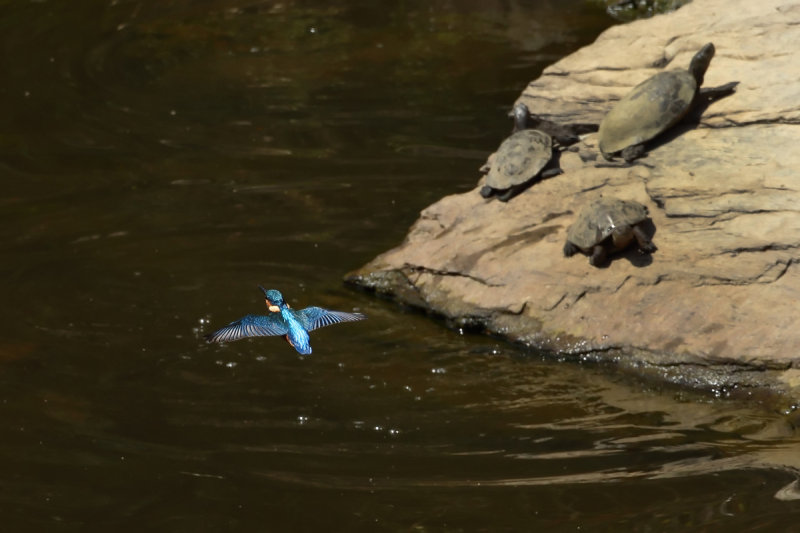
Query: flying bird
[[282, 320]]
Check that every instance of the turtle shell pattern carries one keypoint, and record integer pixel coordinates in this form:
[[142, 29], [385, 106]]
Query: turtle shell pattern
[[650, 108], [596, 221], [519, 158]]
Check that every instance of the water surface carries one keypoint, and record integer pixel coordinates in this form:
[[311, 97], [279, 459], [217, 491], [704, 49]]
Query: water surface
[[160, 159]]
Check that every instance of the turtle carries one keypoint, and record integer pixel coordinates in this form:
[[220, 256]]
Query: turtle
[[519, 159], [607, 225], [655, 105]]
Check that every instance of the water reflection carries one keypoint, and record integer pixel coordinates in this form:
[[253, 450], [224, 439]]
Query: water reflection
[[161, 159]]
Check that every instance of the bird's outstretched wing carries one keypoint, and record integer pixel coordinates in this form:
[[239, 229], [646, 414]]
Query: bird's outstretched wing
[[316, 317], [249, 326]]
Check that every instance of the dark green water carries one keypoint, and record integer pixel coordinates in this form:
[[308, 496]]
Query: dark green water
[[161, 158]]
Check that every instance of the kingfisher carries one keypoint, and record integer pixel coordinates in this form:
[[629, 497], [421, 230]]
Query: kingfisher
[[282, 320]]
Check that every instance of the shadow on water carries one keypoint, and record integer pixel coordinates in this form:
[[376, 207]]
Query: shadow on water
[[161, 159]]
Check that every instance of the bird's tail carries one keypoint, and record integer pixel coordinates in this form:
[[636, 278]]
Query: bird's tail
[[302, 346]]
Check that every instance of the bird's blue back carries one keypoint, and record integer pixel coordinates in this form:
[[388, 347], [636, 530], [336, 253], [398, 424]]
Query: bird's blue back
[[298, 333]]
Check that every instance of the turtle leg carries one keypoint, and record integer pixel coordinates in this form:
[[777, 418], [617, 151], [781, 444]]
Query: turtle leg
[[570, 249], [633, 152], [707, 96], [550, 172], [507, 195], [511, 192], [712, 93], [644, 242], [598, 256]]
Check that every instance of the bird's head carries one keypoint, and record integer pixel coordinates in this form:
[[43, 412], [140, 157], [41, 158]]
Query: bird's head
[[273, 298]]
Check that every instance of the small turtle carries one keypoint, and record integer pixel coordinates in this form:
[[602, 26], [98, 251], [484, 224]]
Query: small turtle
[[656, 105], [518, 160], [607, 225]]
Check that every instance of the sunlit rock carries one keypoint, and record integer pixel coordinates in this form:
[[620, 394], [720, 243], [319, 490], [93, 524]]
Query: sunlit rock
[[718, 304]]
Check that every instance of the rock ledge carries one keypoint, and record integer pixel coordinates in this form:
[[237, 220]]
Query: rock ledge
[[717, 305]]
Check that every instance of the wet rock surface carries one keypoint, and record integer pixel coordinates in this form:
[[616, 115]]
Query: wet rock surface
[[717, 304]]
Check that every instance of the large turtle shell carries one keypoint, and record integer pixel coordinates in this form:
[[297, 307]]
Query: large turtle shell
[[650, 108], [596, 221], [520, 157]]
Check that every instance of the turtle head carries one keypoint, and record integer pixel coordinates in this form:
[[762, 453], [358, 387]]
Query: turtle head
[[700, 62], [273, 298], [520, 114]]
